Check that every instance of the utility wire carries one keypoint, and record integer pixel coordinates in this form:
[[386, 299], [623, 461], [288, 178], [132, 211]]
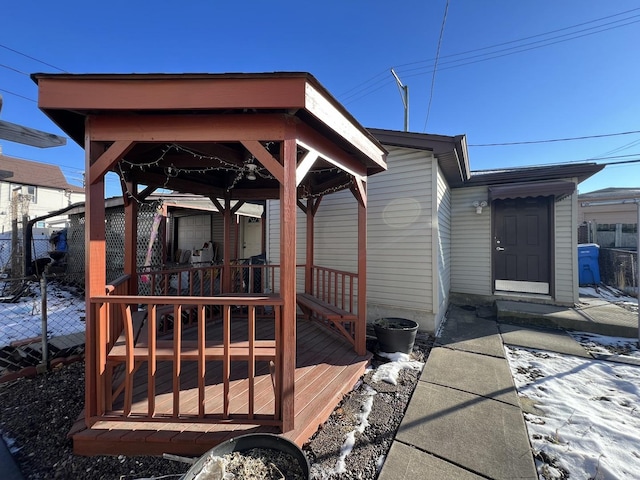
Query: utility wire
[[567, 139], [32, 58], [435, 65], [518, 49], [13, 69], [382, 81], [531, 36], [17, 95]]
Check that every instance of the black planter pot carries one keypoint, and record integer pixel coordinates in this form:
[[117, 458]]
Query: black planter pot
[[395, 334], [247, 442]]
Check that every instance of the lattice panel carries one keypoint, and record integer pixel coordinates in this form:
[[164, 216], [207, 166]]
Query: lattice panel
[[147, 217]]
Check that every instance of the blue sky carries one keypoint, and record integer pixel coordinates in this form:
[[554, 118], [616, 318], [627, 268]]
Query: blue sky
[[549, 82]]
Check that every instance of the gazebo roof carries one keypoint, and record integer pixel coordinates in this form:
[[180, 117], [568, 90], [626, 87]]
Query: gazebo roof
[[234, 107]]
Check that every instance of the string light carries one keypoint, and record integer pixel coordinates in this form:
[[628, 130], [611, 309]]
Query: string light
[[241, 171]]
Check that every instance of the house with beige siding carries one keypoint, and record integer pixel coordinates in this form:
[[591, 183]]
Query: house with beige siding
[[33, 189], [437, 231]]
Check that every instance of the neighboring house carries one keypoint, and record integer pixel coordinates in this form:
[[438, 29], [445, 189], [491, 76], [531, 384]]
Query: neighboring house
[[34, 189], [184, 223], [436, 229], [30, 190], [609, 217]]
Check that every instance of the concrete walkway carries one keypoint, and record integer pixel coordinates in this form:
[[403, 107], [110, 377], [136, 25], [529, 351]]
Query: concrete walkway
[[464, 420]]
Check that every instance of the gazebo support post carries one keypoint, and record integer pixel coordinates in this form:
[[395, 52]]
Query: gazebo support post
[[95, 279], [288, 202], [226, 248], [310, 211], [131, 237], [360, 192]]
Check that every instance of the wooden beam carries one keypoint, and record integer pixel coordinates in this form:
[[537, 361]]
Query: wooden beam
[[146, 192], [168, 92], [361, 327], [226, 246], [326, 110], [316, 204], [95, 283], [131, 240], [288, 215], [108, 159], [237, 206], [359, 190], [29, 136], [305, 165], [310, 139], [309, 262], [188, 128], [265, 158], [217, 204]]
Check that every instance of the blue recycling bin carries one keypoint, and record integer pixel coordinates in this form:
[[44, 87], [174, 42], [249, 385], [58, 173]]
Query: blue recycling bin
[[588, 269]]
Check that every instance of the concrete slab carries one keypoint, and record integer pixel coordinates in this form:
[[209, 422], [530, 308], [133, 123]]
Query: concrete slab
[[541, 339], [593, 315], [406, 462], [610, 318], [463, 330], [471, 372], [482, 435]]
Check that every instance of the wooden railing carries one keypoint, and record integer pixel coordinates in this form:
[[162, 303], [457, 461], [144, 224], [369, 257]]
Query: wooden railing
[[205, 280], [336, 287], [114, 320], [201, 349]]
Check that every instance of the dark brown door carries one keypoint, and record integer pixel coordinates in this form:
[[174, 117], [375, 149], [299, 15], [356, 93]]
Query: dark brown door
[[521, 243]]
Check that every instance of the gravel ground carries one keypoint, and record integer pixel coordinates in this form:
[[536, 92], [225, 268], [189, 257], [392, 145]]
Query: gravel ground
[[37, 413]]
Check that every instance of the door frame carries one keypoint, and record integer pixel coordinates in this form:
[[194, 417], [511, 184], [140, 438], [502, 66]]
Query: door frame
[[550, 205]]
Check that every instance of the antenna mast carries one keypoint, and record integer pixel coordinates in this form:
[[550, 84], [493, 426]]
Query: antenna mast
[[404, 94]]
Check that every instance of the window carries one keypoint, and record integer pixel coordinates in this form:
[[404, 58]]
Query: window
[[31, 192]]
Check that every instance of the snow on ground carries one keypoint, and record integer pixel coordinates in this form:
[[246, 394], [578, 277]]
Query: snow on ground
[[588, 426], [23, 319], [611, 295], [387, 372]]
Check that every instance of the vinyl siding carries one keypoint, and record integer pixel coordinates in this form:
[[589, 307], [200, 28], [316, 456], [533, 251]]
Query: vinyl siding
[[399, 253], [47, 200], [399, 225], [470, 243], [566, 241], [273, 242], [442, 249]]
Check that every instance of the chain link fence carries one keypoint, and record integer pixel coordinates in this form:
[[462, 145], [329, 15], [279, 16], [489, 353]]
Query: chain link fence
[[619, 268], [41, 319]]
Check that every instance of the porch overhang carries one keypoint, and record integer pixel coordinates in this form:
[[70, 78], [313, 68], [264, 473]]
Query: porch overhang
[[557, 188], [197, 133]]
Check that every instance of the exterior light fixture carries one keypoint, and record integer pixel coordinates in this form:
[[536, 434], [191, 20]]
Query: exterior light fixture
[[479, 206], [251, 171]]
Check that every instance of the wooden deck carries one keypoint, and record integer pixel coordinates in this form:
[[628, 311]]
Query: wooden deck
[[326, 368]]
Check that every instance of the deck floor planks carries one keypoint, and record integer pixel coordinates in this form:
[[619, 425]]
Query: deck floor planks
[[327, 368]]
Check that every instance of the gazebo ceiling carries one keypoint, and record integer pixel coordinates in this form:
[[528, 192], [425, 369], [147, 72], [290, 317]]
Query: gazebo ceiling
[[208, 133]]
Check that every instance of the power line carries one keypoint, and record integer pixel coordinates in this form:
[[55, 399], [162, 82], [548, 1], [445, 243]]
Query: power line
[[17, 95], [435, 65], [382, 81], [567, 139], [32, 58], [517, 49], [13, 69], [534, 36]]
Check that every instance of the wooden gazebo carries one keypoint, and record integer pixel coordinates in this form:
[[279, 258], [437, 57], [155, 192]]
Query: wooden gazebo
[[169, 371]]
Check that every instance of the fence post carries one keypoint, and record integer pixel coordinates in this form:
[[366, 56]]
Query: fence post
[[43, 313]]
